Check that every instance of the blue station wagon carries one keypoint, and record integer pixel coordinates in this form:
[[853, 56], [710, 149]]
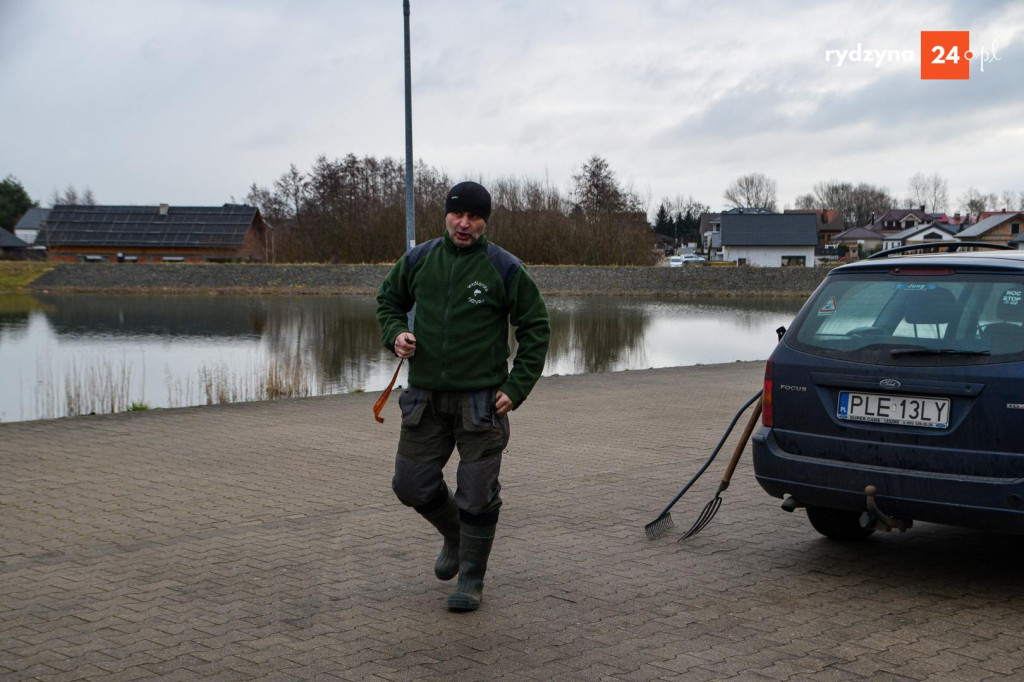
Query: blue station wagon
[[897, 394]]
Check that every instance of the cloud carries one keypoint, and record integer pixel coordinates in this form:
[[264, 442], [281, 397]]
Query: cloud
[[192, 101]]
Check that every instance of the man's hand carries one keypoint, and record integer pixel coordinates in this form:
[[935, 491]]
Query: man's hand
[[405, 345], [503, 404]]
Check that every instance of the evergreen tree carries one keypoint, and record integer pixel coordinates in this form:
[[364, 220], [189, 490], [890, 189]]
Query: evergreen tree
[[14, 202], [663, 223], [597, 192], [683, 217]]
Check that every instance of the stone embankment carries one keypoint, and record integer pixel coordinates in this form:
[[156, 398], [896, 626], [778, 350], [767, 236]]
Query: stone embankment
[[364, 279]]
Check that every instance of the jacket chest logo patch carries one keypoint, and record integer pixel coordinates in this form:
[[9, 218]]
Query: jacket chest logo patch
[[477, 292]]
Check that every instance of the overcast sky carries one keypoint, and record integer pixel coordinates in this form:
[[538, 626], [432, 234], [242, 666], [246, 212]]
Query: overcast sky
[[192, 101]]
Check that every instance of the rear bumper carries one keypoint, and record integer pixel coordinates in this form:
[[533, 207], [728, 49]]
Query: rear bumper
[[968, 501]]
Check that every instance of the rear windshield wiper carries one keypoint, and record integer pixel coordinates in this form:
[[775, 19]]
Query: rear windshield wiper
[[935, 351]]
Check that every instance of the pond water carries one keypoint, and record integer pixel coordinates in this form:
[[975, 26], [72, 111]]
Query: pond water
[[67, 355]]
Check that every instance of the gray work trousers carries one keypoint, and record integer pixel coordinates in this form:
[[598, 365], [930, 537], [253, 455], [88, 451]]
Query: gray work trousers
[[434, 423]]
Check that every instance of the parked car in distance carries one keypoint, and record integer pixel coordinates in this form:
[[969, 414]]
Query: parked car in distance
[[897, 394], [684, 259]]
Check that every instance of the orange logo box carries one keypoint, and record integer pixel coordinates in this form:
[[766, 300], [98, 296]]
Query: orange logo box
[[945, 55]]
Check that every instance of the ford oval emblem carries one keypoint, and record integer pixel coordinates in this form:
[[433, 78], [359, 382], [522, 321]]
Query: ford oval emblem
[[889, 383]]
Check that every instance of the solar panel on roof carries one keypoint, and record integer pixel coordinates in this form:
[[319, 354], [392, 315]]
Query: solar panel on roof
[[141, 226]]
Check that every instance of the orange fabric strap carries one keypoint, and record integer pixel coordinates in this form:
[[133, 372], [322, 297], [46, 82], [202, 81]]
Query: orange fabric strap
[[379, 405]]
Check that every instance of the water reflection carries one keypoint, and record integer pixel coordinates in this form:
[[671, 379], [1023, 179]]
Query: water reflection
[[597, 334], [340, 337], [166, 351], [15, 310], [209, 317]]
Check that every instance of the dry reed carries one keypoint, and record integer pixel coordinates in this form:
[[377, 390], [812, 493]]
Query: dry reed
[[106, 386]]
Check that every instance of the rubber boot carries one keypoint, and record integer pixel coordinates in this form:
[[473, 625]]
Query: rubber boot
[[446, 520], [474, 548]]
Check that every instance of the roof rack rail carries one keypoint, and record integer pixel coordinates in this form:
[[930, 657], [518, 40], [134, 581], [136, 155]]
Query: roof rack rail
[[946, 247]]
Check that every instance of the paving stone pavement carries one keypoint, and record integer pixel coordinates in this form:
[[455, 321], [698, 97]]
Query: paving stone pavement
[[262, 541]]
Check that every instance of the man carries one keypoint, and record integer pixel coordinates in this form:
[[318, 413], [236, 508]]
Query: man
[[466, 291]]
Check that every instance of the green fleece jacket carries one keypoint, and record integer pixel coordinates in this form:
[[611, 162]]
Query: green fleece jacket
[[465, 300]]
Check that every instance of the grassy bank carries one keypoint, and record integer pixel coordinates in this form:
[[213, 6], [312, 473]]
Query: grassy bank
[[16, 276]]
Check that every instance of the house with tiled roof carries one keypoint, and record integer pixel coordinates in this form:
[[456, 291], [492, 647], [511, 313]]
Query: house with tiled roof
[[164, 233], [860, 239], [919, 234], [955, 222], [710, 231], [997, 228], [769, 239], [706, 221], [711, 225], [986, 214], [898, 219], [830, 223]]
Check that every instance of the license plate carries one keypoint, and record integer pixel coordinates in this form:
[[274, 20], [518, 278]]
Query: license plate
[[901, 410]]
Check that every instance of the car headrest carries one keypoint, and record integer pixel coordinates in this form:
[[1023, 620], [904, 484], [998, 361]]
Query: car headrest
[[1010, 307], [930, 306]]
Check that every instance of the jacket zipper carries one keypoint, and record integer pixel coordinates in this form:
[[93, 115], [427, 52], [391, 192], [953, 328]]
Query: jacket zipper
[[444, 326]]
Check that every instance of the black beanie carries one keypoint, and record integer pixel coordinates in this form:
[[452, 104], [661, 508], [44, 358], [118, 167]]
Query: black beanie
[[469, 197]]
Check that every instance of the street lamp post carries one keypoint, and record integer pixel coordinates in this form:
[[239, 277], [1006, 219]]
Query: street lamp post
[[410, 198], [410, 202]]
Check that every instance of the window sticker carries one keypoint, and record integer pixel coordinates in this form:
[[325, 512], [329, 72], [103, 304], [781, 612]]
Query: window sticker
[[829, 307]]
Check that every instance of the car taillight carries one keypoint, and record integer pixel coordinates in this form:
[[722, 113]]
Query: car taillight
[[767, 418]]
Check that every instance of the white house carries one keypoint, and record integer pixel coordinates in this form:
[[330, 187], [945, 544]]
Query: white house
[[919, 234], [30, 224], [770, 240]]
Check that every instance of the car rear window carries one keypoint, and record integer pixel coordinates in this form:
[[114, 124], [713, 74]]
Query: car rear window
[[943, 319]]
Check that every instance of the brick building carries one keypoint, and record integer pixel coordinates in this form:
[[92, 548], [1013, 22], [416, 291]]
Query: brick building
[[228, 233]]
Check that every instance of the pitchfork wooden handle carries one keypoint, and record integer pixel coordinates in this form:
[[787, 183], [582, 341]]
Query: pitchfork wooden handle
[[751, 423]]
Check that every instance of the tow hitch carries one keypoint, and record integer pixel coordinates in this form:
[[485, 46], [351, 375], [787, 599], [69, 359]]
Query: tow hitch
[[875, 517]]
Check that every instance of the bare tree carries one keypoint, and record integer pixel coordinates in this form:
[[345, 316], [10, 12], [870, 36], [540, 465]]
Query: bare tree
[[71, 197], [971, 201], [938, 198], [838, 196], [869, 200], [807, 202], [681, 205], [351, 210], [271, 205], [856, 204], [917, 189], [974, 202], [293, 185], [755, 190], [1008, 201], [68, 198], [930, 191]]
